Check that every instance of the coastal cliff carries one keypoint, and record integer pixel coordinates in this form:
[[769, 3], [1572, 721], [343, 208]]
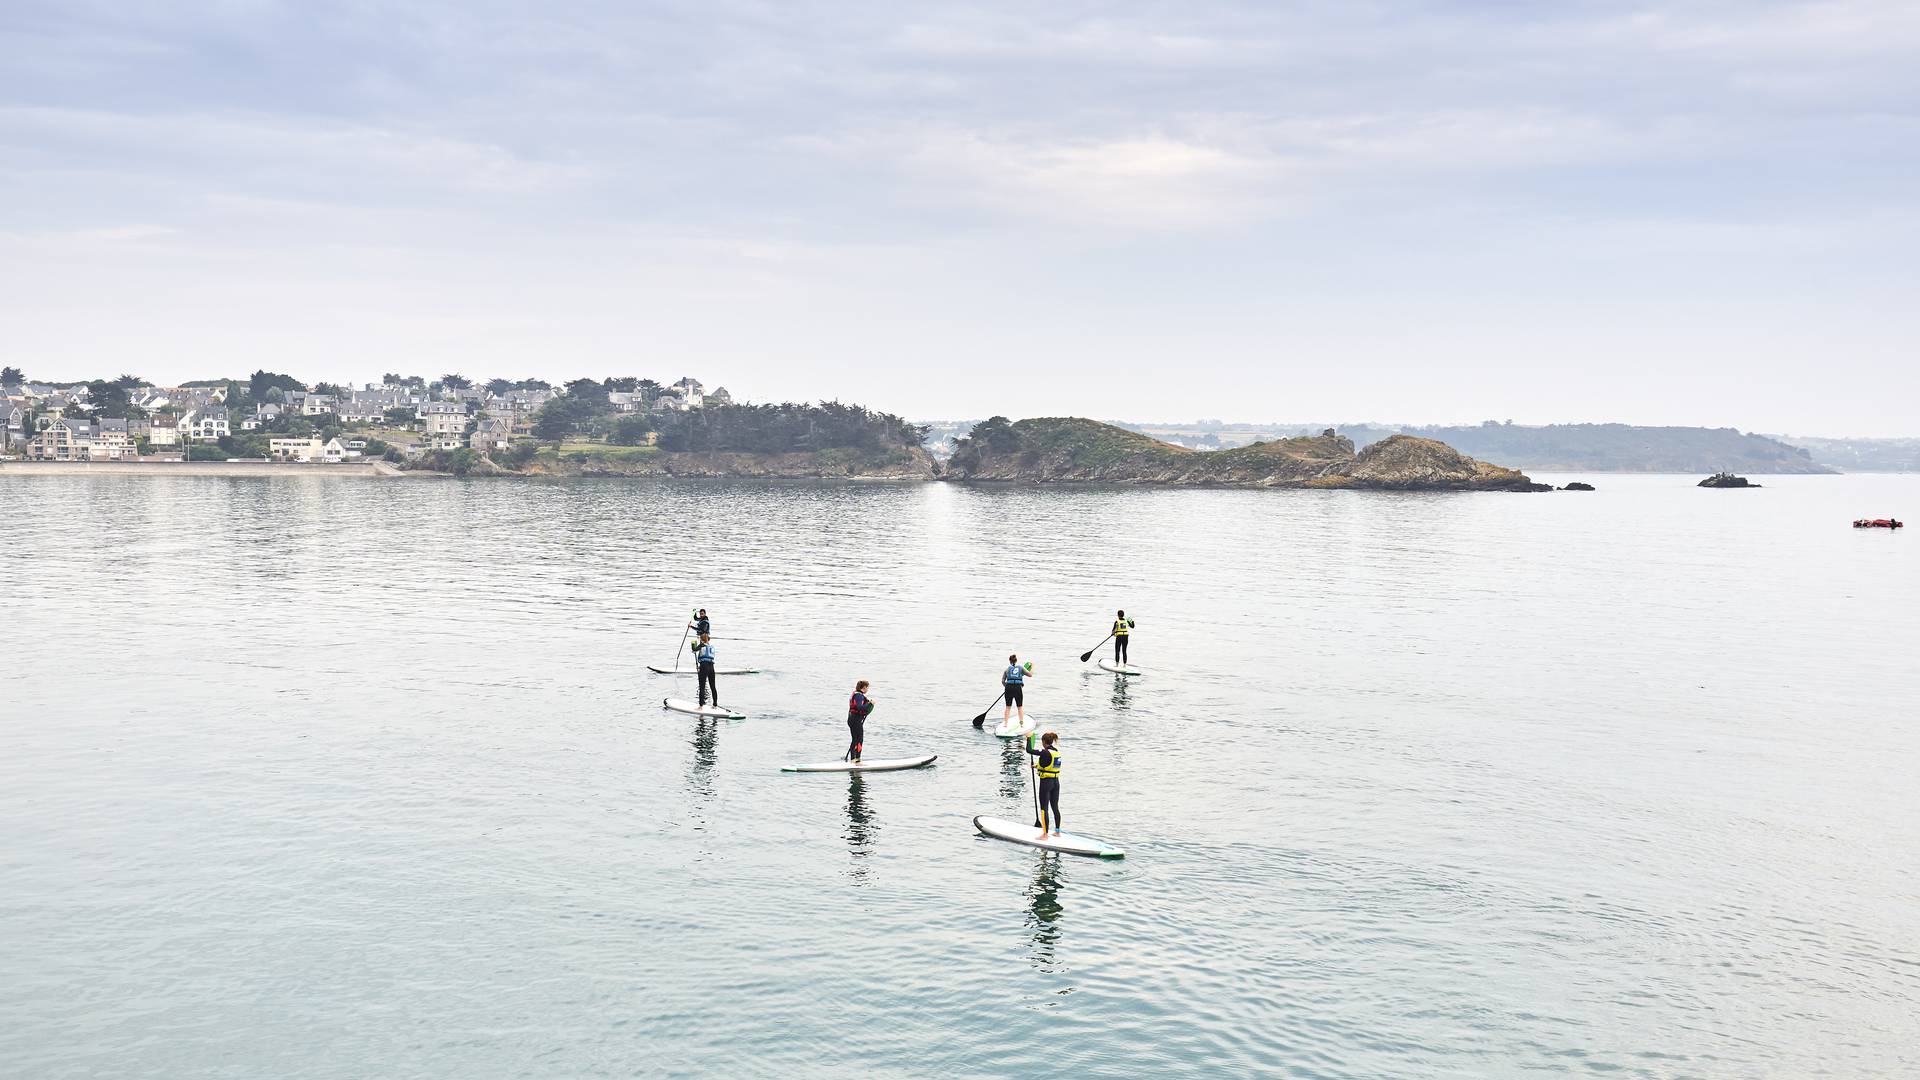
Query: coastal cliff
[[1072, 449]]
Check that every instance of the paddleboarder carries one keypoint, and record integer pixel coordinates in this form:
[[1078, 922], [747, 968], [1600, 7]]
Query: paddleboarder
[[858, 706], [703, 655], [701, 624], [1046, 766], [1122, 626], [1014, 679]]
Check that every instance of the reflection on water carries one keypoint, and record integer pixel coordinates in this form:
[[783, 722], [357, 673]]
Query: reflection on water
[[861, 827], [1013, 768], [1438, 786], [706, 756], [1044, 909]]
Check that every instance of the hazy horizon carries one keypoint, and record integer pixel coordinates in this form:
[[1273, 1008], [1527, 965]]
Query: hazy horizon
[[1676, 214]]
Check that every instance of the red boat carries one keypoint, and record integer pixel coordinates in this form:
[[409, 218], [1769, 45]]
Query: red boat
[[1879, 523]]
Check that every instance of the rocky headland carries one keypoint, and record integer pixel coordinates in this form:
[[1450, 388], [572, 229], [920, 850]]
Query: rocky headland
[[1076, 450]]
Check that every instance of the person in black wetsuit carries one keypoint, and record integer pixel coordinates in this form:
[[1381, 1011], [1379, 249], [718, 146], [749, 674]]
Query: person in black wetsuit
[[701, 625], [1014, 682], [703, 655], [1047, 767], [1122, 626], [858, 706]]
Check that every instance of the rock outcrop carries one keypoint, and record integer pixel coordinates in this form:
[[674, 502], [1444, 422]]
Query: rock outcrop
[[1071, 449], [1727, 480], [1577, 486]]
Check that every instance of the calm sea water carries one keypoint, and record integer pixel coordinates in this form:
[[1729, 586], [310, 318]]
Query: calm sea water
[[318, 777]]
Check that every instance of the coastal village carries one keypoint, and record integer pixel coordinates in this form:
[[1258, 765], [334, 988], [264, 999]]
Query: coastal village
[[276, 418]]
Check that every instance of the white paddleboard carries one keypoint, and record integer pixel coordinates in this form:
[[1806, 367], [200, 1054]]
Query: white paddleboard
[[866, 765], [1020, 832], [1119, 669], [1012, 728], [682, 705], [658, 670]]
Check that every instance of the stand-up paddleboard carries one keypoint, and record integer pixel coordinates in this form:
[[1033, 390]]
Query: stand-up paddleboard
[[1020, 832], [1118, 669], [658, 670], [1012, 728], [715, 711], [868, 765]]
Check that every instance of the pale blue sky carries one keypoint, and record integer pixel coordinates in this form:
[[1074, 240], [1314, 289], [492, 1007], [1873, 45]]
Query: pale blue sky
[[1660, 213]]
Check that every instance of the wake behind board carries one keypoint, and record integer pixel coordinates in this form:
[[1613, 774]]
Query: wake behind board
[[868, 765], [714, 711], [1118, 669], [658, 670], [1012, 728], [1020, 832]]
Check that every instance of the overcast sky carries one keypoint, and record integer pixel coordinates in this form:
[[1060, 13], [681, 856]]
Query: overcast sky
[[1659, 213]]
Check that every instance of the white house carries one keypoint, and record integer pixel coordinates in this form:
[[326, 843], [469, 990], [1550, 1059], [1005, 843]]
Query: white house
[[205, 424], [296, 449], [112, 440]]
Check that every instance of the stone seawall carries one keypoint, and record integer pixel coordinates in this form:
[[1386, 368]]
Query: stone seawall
[[196, 468]]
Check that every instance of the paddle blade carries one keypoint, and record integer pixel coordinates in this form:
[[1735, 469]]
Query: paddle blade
[[1086, 655]]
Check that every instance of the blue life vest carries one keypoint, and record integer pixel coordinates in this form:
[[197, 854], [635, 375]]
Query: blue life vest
[[704, 654], [1014, 675]]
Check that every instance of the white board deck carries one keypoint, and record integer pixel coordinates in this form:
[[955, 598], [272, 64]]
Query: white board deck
[[1012, 728], [1020, 832], [1119, 669], [866, 765], [685, 706], [658, 670]]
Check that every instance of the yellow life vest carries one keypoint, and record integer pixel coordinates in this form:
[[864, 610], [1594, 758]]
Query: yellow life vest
[[1121, 626], [1050, 772]]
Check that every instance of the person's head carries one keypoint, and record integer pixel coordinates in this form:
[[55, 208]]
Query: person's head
[[703, 639], [1013, 658], [1049, 739], [1121, 614], [703, 613], [861, 686]]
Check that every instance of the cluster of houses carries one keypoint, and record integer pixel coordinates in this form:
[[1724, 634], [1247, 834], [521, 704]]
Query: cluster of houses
[[34, 420]]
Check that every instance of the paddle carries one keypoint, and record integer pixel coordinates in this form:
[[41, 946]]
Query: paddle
[[683, 642], [981, 720], [1033, 779], [1085, 656]]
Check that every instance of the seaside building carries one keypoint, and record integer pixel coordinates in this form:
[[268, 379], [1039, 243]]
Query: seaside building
[[444, 418], [206, 424], [491, 434], [13, 424], [62, 439], [163, 430], [112, 440]]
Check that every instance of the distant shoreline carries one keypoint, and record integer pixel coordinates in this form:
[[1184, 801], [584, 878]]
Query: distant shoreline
[[199, 468]]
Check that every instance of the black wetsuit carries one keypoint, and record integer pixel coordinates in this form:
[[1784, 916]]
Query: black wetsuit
[[705, 675], [858, 706], [1049, 788], [1120, 628]]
